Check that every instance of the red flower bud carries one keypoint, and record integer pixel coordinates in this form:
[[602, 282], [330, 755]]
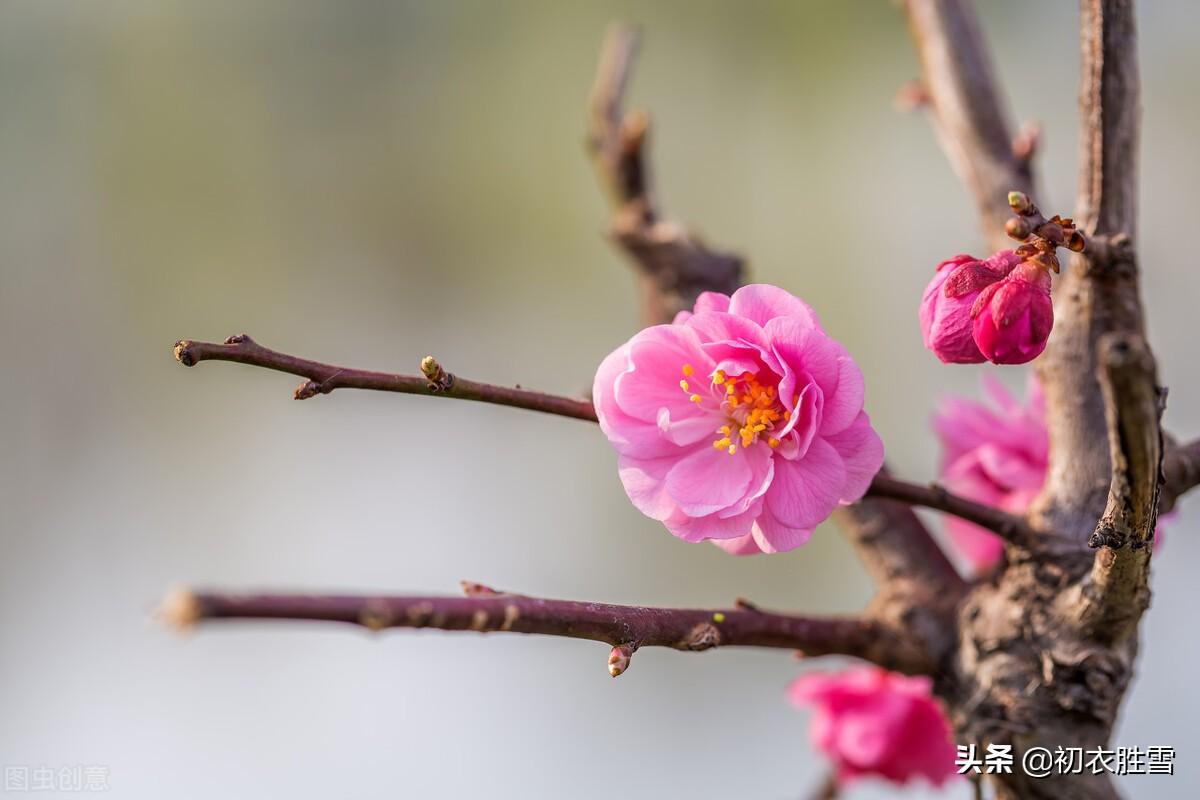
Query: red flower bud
[[1012, 318]]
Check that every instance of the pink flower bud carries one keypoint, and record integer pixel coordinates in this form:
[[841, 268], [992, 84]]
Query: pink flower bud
[[946, 305], [1012, 318]]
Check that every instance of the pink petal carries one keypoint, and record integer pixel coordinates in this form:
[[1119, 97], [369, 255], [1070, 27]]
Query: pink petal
[[762, 303], [686, 431], [656, 359], [861, 451], [772, 536], [741, 546], [645, 483], [845, 403], [712, 526], [628, 435], [712, 301], [712, 326], [805, 491], [708, 480]]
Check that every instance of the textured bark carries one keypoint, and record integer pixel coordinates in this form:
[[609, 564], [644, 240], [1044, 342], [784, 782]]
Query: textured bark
[[1046, 646]]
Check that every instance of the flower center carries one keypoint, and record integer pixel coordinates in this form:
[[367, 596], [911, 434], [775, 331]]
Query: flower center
[[752, 409]]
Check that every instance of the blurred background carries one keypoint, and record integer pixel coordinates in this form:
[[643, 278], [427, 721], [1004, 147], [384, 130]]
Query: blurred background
[[366, 183]]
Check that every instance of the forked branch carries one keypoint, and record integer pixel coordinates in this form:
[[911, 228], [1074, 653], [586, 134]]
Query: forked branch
[[626, 628]]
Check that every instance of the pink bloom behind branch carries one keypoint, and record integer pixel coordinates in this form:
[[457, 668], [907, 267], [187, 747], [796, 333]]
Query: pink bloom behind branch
[[995, 453], [742, 422], [871, 722]]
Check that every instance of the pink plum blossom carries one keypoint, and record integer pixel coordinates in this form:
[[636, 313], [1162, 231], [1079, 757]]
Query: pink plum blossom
[[742, 422], [945, 313], [993, 454], [996, 454], [1012, 318], [872, 722]]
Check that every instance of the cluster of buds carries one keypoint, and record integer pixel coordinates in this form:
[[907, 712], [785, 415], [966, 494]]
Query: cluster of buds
[[1041, 236], [998, 309]]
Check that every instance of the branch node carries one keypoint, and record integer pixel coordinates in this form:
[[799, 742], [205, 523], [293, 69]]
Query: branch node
[[704, 636], [439, 379]]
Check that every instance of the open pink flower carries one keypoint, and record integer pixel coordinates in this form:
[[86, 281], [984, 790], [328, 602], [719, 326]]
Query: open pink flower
[[995, 454], [741, 422], [1012, 318], [992, 454], [945, 312], [872, 722]]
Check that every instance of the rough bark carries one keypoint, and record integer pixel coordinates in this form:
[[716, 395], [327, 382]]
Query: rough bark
[[1046, 645]]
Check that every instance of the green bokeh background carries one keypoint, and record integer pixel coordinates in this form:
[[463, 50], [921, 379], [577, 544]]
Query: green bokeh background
[[369, 182]]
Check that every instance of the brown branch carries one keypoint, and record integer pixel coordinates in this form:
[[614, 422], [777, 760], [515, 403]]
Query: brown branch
[[1181, 473], [626, 628], [967, 110], [324, 378], [673, 266], [1010, 527], [1098, 293], [1116, 593], [436, 382]]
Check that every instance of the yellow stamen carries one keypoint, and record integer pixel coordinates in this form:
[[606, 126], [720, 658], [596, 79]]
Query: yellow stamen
[[718, 377], [688, 370], [721, 444], [695, 398], [773, 442], [683, 385], [732, 449]]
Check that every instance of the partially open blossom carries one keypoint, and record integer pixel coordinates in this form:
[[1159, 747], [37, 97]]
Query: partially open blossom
[[993, 453], [742, 422], [1011, 319], [945, 313], [872, 722]]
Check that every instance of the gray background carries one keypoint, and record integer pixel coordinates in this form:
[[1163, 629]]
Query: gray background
[[369, 182]]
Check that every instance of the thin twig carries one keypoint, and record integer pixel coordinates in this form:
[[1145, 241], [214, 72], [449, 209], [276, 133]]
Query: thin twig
[[1010, 527], [967, 111], [436, 382], [324, 378], [625, 627], [673, 265]]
